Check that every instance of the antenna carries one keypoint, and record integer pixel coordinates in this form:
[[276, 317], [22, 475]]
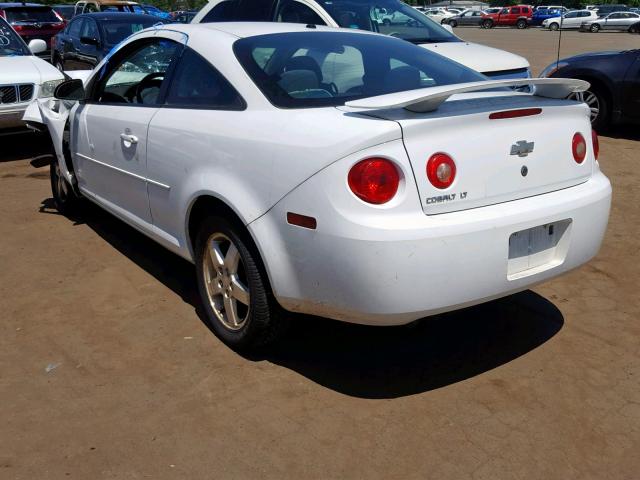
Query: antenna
[[560, 33]]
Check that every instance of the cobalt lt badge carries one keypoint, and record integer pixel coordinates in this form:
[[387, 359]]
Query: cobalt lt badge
[[522, 148]]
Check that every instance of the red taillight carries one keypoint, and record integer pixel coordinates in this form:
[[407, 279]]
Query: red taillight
[[18, 28], [596, 143], [441, 170], [579, 148], [374, 180]]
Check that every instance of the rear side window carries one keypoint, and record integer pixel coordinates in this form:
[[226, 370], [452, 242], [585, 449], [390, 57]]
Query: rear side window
[[291, 11], [74, 28], [240, 11], [515, 10], [31, 15], [197, 83]]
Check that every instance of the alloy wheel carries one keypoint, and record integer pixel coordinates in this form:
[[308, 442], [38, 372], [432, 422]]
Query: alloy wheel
[[226, 282], [592, 101]]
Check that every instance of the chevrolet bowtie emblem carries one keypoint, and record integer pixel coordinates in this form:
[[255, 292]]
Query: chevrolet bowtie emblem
[[522, 148]]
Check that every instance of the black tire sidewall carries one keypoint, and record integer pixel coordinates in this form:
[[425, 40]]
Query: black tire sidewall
[[453, 23], [253, 331], [521, 24], [65, 203], [554, 26], [594, 28]]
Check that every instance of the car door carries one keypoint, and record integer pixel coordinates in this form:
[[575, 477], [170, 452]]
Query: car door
[[111, 149], [70, 43], [631, 90], [612, 21], [200, 118], [88, 48]]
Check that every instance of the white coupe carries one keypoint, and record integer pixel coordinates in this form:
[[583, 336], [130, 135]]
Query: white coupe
[[23, 77], [338, 173]]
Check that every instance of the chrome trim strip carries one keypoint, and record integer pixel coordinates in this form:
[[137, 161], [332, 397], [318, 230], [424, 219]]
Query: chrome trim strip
[[134, 175]]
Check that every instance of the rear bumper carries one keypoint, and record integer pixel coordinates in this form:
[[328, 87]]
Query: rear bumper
[[405, 268]]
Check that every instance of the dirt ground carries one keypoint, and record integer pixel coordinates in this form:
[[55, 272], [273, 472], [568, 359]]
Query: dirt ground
[[107, 371]]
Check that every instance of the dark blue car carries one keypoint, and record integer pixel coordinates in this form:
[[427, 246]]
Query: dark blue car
[[542, 14], [614, 94], [88, 38]]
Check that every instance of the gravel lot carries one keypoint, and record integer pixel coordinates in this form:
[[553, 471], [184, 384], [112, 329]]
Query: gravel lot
[[107, 371]]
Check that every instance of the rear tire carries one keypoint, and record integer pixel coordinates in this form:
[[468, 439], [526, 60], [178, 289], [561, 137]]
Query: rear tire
[[521, 24], [554, 26], [453, 23], [487, 24], [595, 28], [234, 288]]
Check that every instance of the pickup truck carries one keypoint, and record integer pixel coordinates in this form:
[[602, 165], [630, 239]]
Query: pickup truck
[[517, 16]]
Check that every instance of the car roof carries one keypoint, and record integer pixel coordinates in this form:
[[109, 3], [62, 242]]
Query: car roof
[[118, 16], [251, 29], [109, 2], [16, 4]]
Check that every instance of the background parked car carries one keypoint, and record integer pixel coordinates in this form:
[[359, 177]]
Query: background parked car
[[152, 10], [184, 17], [542, 14], [65, 11], [89, 37], [23, 76], [33, 21], [91, 6], [438, 15], [517, 16], [470, 17], [614, 21], [614, 94], [570, 20], [363, 15], [604, 10]]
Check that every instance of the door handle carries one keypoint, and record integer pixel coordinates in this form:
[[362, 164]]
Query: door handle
[[128, 139]]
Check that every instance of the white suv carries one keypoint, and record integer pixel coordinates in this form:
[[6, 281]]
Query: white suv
[[23, 76], [391, 17]]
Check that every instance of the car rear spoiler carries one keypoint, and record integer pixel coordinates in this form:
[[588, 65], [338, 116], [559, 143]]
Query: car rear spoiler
[[429, 99]]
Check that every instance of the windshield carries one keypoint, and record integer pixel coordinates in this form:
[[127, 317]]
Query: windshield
[[390, 17], [31, 15], [10, 43], [319, 69], [116, 30]]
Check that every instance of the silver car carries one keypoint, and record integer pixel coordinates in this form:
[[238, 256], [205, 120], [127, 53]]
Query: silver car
[[613, 21]]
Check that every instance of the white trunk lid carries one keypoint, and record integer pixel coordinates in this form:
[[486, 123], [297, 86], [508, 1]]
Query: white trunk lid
[[487, 170]]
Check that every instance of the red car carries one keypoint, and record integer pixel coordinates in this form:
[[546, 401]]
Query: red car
[[516, 16], [33, 20]]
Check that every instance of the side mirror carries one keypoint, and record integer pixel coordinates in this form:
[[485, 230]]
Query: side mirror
[[70, 90], [90, 41], [37, 46], [447, 27]]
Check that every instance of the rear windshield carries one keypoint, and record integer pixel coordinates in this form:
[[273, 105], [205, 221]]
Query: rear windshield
[[31, 15], [65, 11], [116, 30], [316, 69], [10, 44]]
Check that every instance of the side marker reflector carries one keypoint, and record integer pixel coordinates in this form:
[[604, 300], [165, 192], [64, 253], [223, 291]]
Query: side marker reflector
[[301, 220]]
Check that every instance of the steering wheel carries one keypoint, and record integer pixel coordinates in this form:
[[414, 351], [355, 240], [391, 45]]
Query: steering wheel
[[152, 80]]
